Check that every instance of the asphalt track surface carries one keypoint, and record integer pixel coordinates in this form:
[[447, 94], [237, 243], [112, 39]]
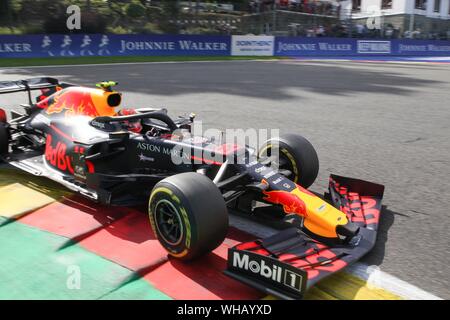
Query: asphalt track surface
[[387, 123]]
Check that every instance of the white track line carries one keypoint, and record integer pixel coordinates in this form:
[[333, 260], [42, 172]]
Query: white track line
[[377, 278], [408, 62], [302, 61], [429, 60], [371, 274]]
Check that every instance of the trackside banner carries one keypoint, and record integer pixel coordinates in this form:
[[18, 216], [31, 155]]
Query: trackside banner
[[252, 45], [286, 46], [113, 45], [77, 45]]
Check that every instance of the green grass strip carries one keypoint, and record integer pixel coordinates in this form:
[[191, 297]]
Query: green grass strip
[[24, 62], [32, 266]]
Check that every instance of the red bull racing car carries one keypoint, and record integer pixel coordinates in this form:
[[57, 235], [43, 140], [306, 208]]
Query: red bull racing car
[[75, 136]]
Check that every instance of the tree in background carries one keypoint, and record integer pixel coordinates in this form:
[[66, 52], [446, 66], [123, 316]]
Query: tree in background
[[170, 12], [99, 16], [5, 12], [9, 10], [135, 10]]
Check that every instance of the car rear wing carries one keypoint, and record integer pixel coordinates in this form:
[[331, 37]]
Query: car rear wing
[[31, 84], [27, 85]]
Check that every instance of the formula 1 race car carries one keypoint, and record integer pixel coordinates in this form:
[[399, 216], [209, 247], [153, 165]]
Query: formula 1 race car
[[74, 135]]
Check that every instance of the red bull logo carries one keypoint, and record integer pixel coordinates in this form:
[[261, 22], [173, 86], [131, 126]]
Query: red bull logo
[[290, 202], [57, 155], [81, 101], [72, 103]]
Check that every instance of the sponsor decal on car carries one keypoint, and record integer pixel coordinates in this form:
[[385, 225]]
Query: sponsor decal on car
[[80, 172], [142, 157], [148, 147], [174, 153], [60, 156], [264, 269], [269, 174], [97, 124], [277, 180], [71, 102], [290, 201], [57, 155]]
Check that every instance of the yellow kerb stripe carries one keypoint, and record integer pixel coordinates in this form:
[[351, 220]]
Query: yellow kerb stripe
[[344, 286], [17, 199]]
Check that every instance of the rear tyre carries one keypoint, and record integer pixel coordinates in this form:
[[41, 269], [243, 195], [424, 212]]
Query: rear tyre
[[188, 215], [4, 139], [297, 155]]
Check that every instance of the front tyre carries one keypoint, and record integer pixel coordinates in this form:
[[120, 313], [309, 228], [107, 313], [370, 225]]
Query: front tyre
[[188, 215], [296, 154]]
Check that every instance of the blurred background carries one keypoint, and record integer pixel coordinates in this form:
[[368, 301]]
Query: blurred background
[[418, 19]]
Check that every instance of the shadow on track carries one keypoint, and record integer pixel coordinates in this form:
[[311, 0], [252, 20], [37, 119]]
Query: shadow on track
[[263, 80]]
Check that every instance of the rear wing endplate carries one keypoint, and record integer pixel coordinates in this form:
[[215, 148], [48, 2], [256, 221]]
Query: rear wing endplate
[[27, 85]]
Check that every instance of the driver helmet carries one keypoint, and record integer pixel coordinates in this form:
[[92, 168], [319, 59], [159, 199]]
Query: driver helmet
[[133, 126]]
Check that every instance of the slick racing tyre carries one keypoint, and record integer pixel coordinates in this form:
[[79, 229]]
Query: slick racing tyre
[[188, 215], [296, 154], [4, 139]]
